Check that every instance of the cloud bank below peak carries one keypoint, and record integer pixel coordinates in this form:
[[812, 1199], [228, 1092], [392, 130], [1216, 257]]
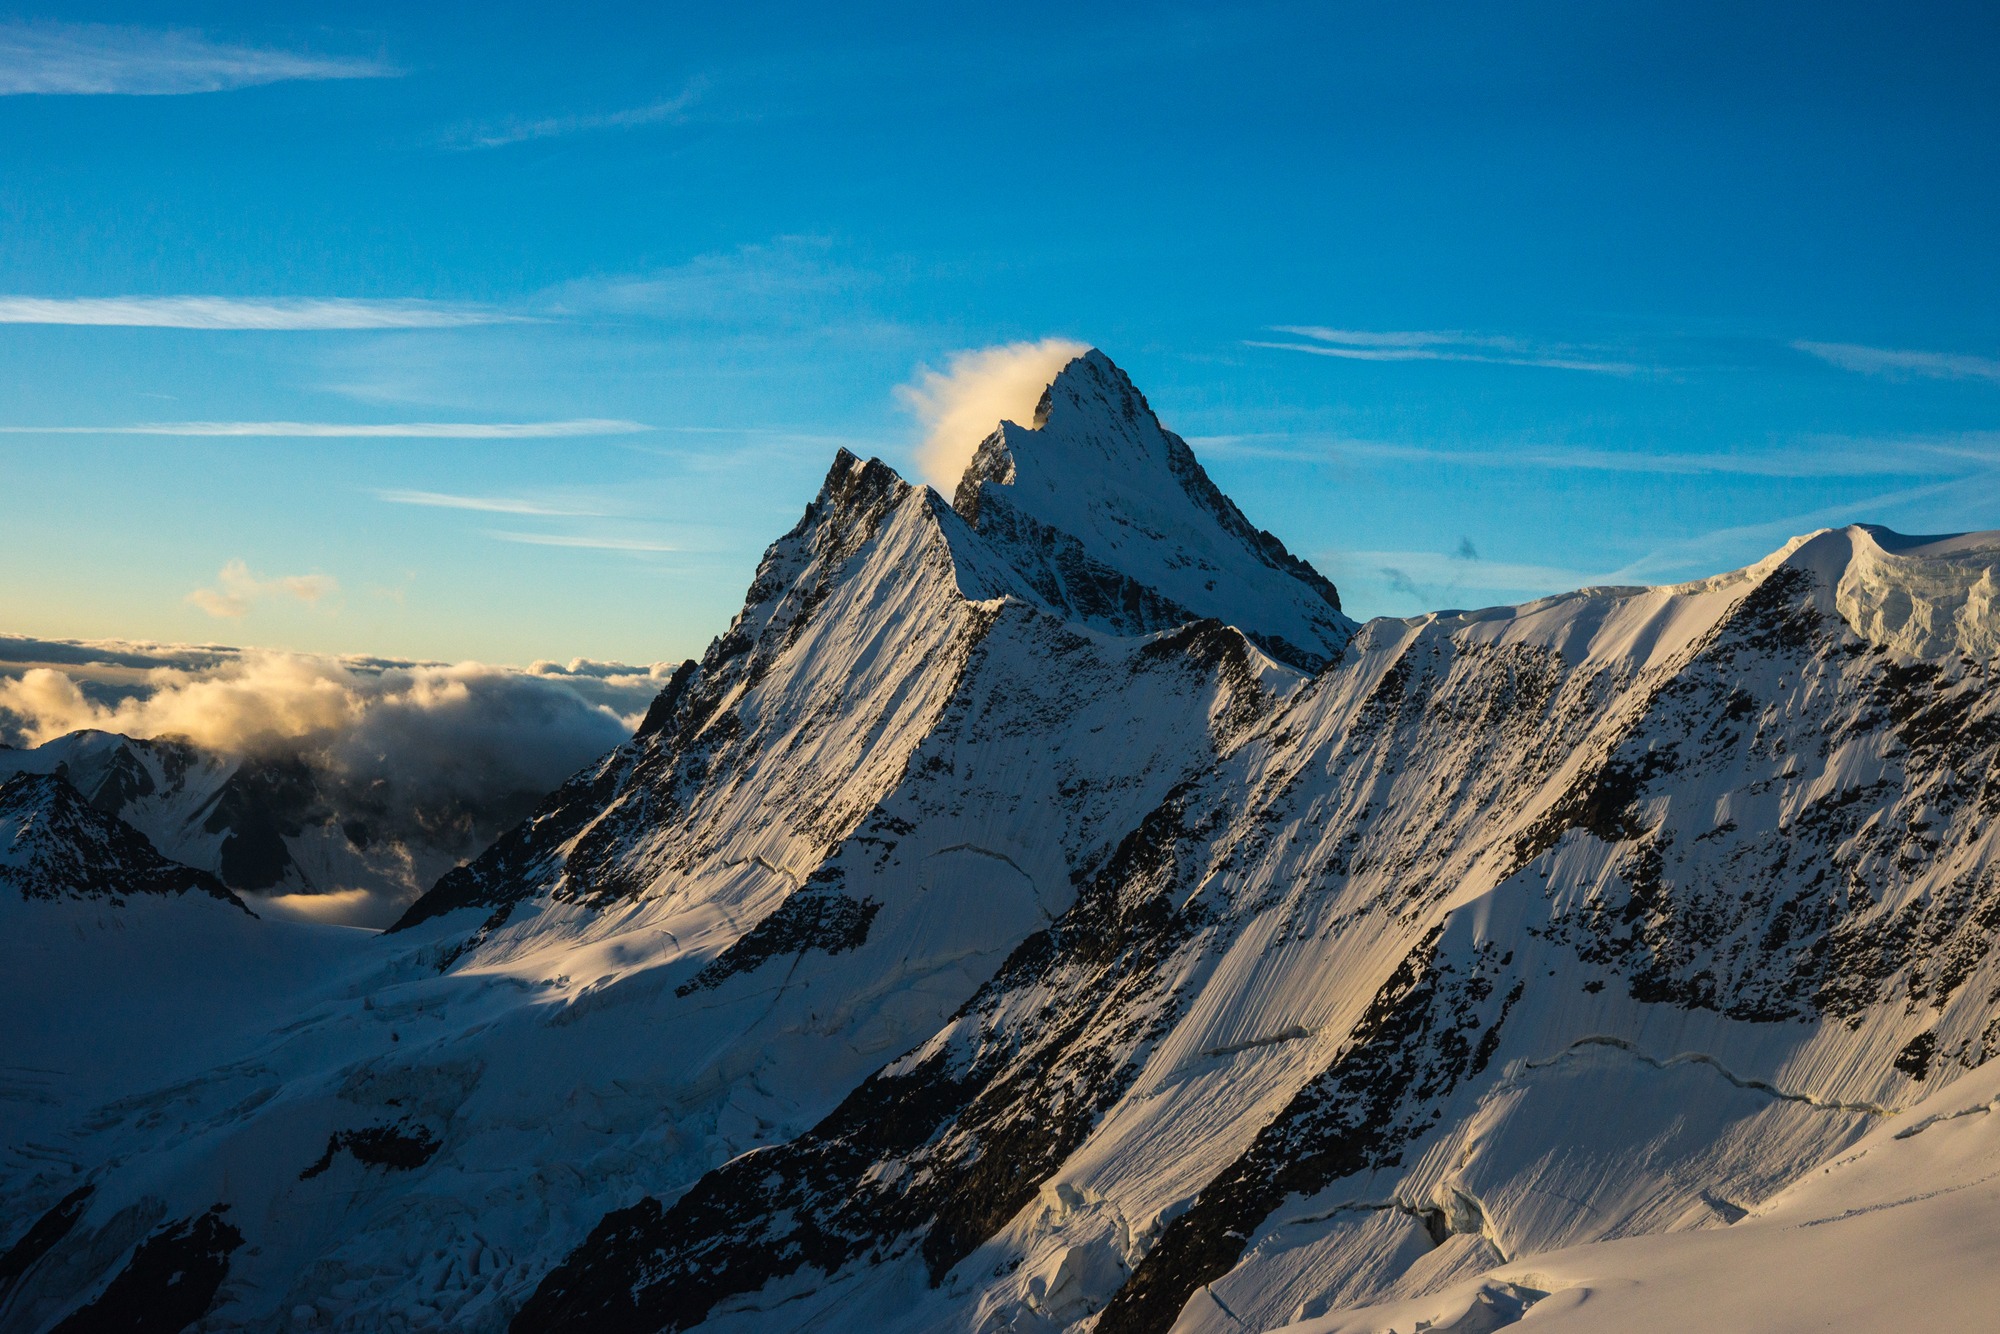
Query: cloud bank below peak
[[437, 758]]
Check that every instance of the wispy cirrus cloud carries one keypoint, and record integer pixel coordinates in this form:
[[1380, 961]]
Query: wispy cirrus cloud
[[1902, 364], [788, 280], [1443, 345], [499, 134], [237, 590], [255, 313], [1805, 457], [1689, 557], [633, 544], [483, 504], [582, 426], [100, 58]]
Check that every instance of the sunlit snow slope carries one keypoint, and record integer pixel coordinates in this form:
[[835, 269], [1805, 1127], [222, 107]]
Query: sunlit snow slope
[[1045, 911]]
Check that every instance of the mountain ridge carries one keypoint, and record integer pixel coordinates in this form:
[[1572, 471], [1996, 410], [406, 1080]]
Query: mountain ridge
[[56, 846], [939, 955]]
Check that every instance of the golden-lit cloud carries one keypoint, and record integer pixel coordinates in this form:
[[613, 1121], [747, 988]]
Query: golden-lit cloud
[[339, 906], [246, 703], [462, 726], [238, 590], [432, 758], [961, 405]]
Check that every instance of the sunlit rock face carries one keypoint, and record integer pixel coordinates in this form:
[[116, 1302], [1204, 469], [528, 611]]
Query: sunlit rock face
[[1044, 910]]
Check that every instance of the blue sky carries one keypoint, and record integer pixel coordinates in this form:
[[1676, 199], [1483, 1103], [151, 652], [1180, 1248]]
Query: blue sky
[[1467, 303]]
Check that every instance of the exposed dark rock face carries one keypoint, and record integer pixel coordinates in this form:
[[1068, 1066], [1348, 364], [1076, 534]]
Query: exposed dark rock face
[[1064, 574], [818, 917], [40, 1238], [1786, 923], [1116, 589], [933, 1154], [1034, 974], [56, 845], [264, 802], [1411, 1048], [400, 1148], [296, 816], [578, 842], [666, 705], [514, 865], [168, 1284]]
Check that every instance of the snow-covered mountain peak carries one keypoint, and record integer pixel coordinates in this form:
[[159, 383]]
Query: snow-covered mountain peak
[[1112, 519], [56, 845], [1923, 595], [1929, 596], [957, 946]]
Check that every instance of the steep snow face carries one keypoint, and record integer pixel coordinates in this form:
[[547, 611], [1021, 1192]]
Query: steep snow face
[[147, 993], [165, 789], [1111, 521], [760, 758], [1895, 1233], [1604, 916], [827, 835], [1927, 597]]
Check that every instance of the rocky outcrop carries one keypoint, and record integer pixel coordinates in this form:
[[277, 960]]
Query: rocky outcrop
[[56, 846]]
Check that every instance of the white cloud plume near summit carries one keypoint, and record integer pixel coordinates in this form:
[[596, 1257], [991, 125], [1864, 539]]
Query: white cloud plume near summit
[[101, 58], [237, 590], [959, 406]]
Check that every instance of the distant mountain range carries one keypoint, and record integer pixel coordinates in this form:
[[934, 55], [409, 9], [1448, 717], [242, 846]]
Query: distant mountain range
[[1046, 910], [278, 823]]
